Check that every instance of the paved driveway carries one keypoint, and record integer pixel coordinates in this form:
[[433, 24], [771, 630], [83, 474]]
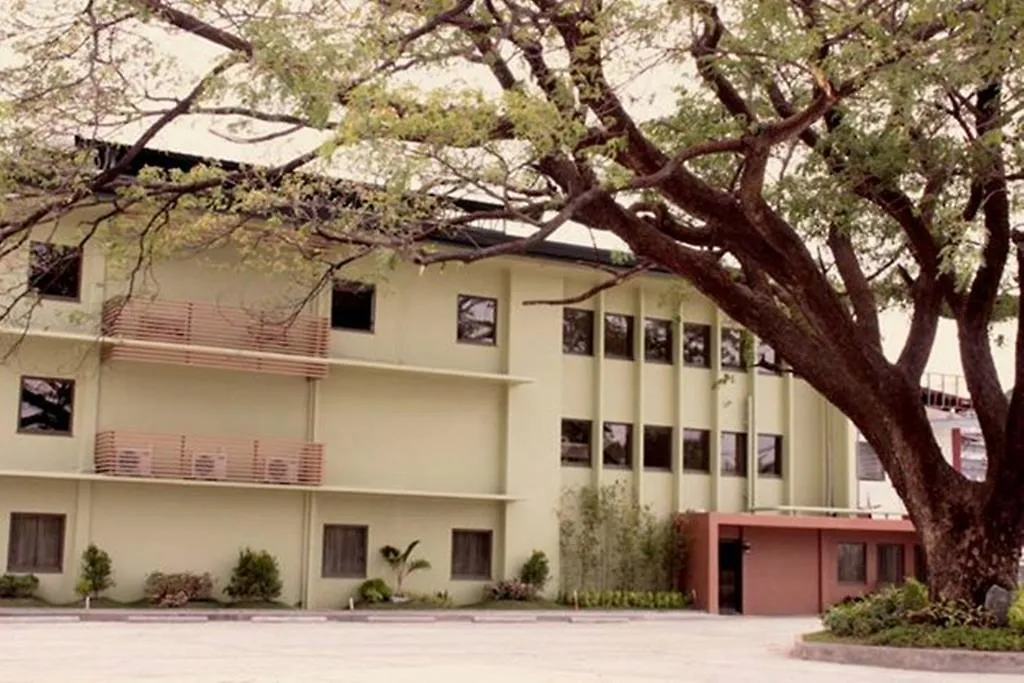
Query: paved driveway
[[698, 650]]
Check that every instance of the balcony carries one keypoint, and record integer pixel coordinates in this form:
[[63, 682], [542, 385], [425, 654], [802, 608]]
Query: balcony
[[172, 331], [197, 458]]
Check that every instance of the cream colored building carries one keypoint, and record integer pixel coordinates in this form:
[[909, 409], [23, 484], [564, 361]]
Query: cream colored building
[[189, 423]]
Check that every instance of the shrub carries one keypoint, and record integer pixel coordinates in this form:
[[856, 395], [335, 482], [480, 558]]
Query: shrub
[[536, 570], [95, 575], [629, 599], [374, 590], [18, 586], [1017, 612], [952, 614], [952, 637], [512, 589], [436, 599], [177, 590], [256, 577], [876, 612], [402, 564]]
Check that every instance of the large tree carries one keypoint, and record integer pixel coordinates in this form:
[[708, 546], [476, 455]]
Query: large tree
[[802, 163]]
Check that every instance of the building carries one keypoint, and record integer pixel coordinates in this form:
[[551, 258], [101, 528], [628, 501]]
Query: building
[[188, 421]]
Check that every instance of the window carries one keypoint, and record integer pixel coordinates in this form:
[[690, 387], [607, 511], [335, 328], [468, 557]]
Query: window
[[618, 444], [618, 336], [732, 349], [869, 467], [55, 270], [734, 454], [696, 450], [576, 442], [696, 342], [769, 455], [344, 553], [890, 563], [478, 320], [36, 543], [657, 448], [767, 359], [853, 563], [578, 331], [658, 341], [47, 406], [471, 554], [352, 306]]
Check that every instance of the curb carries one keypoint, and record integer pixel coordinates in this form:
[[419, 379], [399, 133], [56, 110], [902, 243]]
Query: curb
[[916, 659]]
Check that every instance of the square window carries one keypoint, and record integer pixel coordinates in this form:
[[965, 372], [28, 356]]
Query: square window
[[344, 551], [767, 359], [658, 341], [734, 454], [890, 564], [477, 320], [769, 455], [696, 450], [696, 345], [36, 543], [578, 331], [576, 442], [471, 554], [352, 306], [55, 270], [47, 406], [618, 336], [618, 445], [732, 349], [852, 559], [657, 448]]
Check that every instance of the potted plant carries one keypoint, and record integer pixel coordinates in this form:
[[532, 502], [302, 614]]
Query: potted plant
[[402, 565]]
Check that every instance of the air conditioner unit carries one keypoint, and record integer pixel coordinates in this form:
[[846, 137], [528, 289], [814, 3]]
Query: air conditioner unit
[[210, 466], [134, 462], [282, 471]]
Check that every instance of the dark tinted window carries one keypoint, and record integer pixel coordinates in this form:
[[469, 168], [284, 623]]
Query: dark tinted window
[[352, 305], [696, 450], [618, 444], [578, 331], [890, 563], [732, 348], [477, 320], [344, 551], [658, 340], [471, 554], [47, 405], [696, 345], [769, 454], [657, 447], [852, 559], [618, 336], [576, 442], [734, 453], [36, 543], [55, 270]]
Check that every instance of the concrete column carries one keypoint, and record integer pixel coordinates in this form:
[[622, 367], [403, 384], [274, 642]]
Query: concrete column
[[678, 496], [716, 409], [638, 421], [597, 433]]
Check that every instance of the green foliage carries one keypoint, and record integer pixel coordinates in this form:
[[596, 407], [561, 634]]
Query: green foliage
[[950, 637], [402, 563], [607, 541], [876, 612], [1017, 612], [625, 599], [512, 589], [536, 570], [18, 586], [256, 577], [178, 589], [374, 590], [96, 573]]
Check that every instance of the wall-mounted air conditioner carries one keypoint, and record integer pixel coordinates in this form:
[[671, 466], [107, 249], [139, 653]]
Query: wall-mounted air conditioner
[[212, 466], [282, 471], [133, 462]]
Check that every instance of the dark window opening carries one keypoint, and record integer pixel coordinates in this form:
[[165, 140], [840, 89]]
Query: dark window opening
[[733, 346], [46, 406], [890, 564], [769, 455], [696, 450], [471, 554], [352, 306], [853, 563], [618, 336], [478, 320], [55, 270], [696, 343], [618, 445], [734, 454], [576, 442], [658, 341], [657, 448], [344, 552], [36, 543], [578, 331]]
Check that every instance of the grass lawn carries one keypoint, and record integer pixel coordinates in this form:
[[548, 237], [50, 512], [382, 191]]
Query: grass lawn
[[933, 637]]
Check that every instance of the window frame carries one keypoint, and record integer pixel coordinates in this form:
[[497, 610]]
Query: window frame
[[648, 436], [860, 576], [477, 299], [71, 412], [728, 332], [357, 288], [628, 446], [742, 444], [705, 440], [777, 471], [880, 562], [589, 424], [35, 567], [630, 336], [458, 576], [704, 332], [333, 573], [583, 314], [652, 324], [33, 278]]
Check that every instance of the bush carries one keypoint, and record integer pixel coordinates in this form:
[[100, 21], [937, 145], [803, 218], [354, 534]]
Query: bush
[[952, 614], [436, 599], [876, 612], [951, 637], [177, 590], [18, 586], [95, 575], [374, 591], [1017, 612], [629, 599], [512, 589], [536, 570], [255, 577]]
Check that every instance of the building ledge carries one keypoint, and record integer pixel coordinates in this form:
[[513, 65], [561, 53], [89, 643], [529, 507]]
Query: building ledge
[[341, 490]]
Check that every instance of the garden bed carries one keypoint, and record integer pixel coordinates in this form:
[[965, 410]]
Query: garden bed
[[933, 637]]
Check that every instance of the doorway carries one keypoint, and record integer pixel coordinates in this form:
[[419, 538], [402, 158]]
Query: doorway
[[730, 576]]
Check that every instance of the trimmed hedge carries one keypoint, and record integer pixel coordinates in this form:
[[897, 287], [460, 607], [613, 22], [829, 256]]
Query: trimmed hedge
[[934, 637]]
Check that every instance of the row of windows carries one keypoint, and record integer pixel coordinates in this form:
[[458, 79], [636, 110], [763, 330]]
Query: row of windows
[[852, 561], [37, 545], [617, 448]]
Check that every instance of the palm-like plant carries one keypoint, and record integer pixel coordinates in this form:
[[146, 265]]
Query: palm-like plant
[[402, 564]]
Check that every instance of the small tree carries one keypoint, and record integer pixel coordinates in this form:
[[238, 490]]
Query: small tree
[[402, 564], [536, 570], [256, 576], [96, 574]]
